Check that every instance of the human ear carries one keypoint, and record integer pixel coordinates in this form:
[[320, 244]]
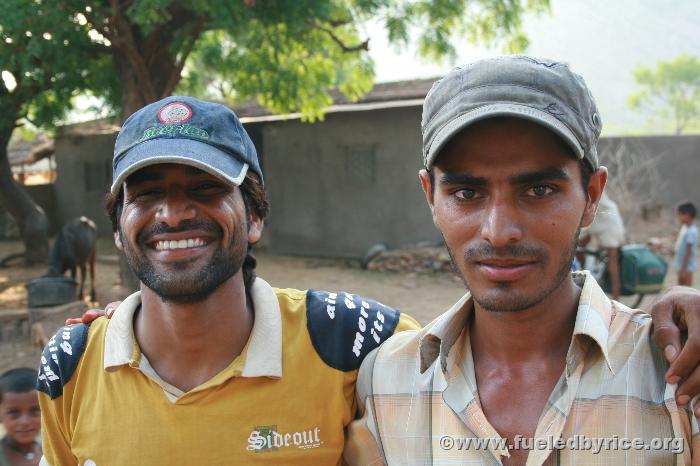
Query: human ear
[[428, 189], [255, 227], [118, 241], [594, 190]]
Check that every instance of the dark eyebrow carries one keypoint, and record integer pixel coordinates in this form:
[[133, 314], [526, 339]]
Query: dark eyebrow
[[194, 171], [154, 174], [548, 174], [462, 179], [143, 176]]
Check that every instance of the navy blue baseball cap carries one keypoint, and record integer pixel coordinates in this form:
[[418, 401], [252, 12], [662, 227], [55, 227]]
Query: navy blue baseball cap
[[188, 131]]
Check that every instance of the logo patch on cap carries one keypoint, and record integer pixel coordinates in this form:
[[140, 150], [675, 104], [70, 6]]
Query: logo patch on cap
[[175, 112]]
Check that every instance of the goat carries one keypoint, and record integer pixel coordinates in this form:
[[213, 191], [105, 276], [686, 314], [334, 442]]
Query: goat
[[74, 247]]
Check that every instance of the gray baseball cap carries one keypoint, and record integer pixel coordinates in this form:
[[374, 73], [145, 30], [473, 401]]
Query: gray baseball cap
[[536, 89], [189, 131]]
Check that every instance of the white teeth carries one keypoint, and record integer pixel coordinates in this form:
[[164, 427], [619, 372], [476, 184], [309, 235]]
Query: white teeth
[[181, 244]]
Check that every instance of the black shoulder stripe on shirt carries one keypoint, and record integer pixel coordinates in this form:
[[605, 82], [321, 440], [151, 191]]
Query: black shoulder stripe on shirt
[[60, 358], [344, 327]]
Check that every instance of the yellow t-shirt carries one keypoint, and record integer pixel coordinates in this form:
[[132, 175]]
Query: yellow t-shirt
[[285, 400]]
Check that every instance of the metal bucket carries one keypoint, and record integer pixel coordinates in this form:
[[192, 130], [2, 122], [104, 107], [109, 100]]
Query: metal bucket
[[51, 291]]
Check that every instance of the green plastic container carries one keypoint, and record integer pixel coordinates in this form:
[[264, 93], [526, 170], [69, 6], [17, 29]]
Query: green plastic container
[[641, 271]]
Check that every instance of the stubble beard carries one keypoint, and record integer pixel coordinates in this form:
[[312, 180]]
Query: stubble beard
[[177, 284], [513, 301]]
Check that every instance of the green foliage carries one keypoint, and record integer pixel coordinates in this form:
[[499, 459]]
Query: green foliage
[[47, 63], [671, 90], [287, 70], [290, 55], [437, 25]]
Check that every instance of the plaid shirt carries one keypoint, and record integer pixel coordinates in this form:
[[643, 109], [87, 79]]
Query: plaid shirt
[[611, 406]]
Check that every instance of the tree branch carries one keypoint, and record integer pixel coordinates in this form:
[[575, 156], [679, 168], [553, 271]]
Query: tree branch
[[180, 64], [338, 22], [124, 39], [346, 48]]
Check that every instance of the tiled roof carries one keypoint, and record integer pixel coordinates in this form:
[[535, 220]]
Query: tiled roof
[[21, 152], [382, 92]]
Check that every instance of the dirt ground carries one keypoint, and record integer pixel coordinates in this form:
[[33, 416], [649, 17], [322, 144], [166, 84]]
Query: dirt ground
[[423, 296]]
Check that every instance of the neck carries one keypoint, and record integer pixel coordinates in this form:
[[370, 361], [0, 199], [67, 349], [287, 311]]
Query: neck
[[19, 447], [188, 344], [542, 332]]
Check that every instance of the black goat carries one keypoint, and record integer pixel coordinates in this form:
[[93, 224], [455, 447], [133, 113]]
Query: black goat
[[74, 247]]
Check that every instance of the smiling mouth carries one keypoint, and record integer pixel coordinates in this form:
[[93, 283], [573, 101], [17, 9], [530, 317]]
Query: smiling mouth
[[170, 245]]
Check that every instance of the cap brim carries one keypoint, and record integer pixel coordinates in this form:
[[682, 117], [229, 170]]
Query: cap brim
[[457, 124], [206, 157]]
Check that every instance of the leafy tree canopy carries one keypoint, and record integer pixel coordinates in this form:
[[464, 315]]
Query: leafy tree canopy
[[294, 65], [671, 90], [289, 55], [43, 52]]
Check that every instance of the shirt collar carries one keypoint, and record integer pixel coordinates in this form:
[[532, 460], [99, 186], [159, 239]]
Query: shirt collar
[[264, 354], [593, 318]]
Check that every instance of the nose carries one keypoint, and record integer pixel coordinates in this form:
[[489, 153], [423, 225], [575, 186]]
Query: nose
[[176, 206], [501, 224]]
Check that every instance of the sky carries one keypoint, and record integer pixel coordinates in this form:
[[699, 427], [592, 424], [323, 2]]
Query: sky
[[602, 40]]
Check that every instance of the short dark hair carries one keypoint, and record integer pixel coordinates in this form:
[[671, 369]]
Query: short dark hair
[[687, 208], [19, 380], [254, 198]]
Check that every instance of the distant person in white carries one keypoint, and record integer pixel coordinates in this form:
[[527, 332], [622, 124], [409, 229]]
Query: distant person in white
[[606, 232]]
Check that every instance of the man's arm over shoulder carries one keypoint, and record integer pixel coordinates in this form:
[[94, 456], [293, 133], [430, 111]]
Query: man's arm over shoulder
[[344, 327], [59, 362]]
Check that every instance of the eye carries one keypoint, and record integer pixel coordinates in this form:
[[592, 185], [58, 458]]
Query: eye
[[466, 194], [540, 190]]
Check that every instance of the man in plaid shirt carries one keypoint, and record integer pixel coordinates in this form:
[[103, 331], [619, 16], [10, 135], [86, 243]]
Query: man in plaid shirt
[[534, 365]]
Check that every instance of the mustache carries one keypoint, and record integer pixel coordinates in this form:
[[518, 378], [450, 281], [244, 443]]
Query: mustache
[[485, 251], [207, 226]]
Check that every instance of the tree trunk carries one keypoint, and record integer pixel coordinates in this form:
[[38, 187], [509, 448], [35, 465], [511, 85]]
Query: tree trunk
[[30, 218], [149, 63], [134, 96]]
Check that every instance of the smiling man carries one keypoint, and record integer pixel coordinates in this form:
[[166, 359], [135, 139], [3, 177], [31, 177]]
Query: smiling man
[[206, 364], [534, 365]]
